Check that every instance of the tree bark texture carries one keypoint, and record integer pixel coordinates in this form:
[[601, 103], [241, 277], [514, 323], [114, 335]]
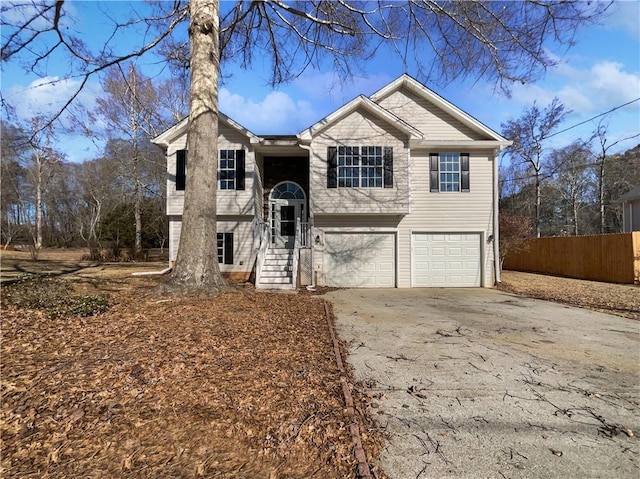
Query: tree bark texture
[[39, 185], [197, 271]]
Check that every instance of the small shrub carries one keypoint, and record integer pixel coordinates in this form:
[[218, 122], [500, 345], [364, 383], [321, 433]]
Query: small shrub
[[51, 295]]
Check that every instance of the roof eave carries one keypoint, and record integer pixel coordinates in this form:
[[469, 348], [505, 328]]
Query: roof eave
[[464, 144], [421, 90], [366, 103], [165, 138]]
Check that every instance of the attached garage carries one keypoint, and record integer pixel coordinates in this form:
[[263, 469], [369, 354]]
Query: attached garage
[[360, 260], [446, 260]]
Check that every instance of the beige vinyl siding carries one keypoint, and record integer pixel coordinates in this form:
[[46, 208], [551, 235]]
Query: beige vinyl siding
[[243, 247], [230, 202], [175, 199], [237, 202], [469, 212], [258, 187], [174, 237], [434, 123], [359, 128]]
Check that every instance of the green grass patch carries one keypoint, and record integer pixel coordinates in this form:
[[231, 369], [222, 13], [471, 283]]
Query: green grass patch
[[52, 295]]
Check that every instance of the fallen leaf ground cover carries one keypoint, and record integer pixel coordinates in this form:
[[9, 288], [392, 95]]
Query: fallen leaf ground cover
[[241, 385], [619, 299]]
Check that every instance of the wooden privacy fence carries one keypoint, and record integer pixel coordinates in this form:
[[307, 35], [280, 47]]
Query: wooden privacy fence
[[614, 258]]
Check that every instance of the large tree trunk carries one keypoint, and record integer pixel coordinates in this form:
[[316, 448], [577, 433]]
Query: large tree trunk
[[197, 271], [38, 236], [137, 215]]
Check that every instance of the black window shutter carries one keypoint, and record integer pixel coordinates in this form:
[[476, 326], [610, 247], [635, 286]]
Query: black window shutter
[[228, 248], [434, 166], [387, 162], [332, 167], [240, 170], [181, 169], [464, 171]]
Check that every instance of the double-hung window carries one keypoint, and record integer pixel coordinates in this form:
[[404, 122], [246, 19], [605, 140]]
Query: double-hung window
[[449, 172], [348, 166], [231, 169], [225, 248], [371, 172], [231, 172], [181, 169], [227, 169], [360, 167]]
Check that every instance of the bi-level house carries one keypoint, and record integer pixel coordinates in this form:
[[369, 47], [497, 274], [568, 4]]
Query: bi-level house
[[399, 189]]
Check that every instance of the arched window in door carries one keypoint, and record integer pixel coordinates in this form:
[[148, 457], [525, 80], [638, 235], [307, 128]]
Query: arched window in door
[[287, 191]]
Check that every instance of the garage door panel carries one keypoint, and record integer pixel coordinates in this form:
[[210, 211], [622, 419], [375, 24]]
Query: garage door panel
[[360, 259], [387, 267], [446, 260]]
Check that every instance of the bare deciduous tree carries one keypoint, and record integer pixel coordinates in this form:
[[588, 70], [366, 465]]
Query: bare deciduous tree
[[601, 154], [529, 133], [130, 110], [515, 233], [573, 179]]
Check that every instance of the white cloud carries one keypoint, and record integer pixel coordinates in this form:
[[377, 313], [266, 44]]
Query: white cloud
[[612, 84], [45, 97], [276, 113], [585, 91], [337, 90], [28, 13], [625, 15], [48, 95]]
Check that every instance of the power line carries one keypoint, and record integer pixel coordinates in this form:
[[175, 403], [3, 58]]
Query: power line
[[593, 118]]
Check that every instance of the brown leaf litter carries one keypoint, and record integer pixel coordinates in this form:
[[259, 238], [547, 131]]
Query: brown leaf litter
[[619, 299], [244, 385]]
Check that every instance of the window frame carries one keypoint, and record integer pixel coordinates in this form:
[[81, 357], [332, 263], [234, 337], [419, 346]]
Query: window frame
[[443, 170], [224, 248], [181, 170], [366, 166], [227, 179]]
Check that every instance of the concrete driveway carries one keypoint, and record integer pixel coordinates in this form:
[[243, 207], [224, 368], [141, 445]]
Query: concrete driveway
[[483, 384]]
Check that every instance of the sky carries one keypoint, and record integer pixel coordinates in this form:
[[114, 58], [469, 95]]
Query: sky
[[600, 73]]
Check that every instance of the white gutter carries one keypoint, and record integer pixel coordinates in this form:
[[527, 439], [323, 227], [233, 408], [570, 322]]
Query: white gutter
[[496, 218], [464, 144]]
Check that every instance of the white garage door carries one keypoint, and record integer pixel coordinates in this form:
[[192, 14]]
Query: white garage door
[[361, 260], [446, 260]]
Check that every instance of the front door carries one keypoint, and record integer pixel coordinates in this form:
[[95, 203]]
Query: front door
[[284, 213]]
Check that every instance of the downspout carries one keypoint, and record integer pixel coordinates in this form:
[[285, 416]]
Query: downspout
[[312, 286], [496, 218]]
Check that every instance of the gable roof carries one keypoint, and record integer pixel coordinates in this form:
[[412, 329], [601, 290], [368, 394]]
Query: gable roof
[[413, 85], [165, 138], [365, 103]]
